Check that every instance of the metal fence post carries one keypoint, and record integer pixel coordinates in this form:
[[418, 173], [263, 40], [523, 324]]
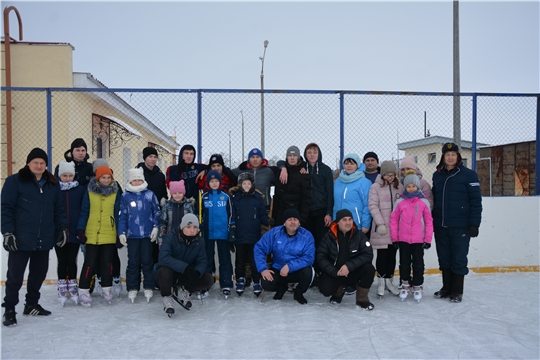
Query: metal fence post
[[49, 128], [473, 162], [199, 126], [537, 177], [341, 129]]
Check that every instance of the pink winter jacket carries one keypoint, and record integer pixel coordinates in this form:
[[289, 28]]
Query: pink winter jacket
[[411, 221], [380, 204]]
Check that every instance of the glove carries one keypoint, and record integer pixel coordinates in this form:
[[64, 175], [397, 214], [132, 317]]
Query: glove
[[381, 229], [271, 222], [473, 231], [118, 243], [123, 239], [192, 276], [154, 234], [232, 233], [163, 202], [396, 245], [11, 243], [81, 236], [62, 237], [426, 246], [232, 248]]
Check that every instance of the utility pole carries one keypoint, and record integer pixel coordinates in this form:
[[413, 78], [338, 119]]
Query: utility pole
[[457, 98]]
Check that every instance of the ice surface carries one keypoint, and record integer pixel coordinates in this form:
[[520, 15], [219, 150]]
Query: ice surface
[[498, 319]]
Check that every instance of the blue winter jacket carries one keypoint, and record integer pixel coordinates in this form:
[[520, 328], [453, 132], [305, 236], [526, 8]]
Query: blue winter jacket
[[297, 251], [139, 214], [176, 254], [249, 213], [457, 197], [32, 212], [217, 215], [354, 197], [73, 200]]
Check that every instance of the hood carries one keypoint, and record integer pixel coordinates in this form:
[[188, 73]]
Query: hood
[[310, 145], [187, 147], [334, 230]]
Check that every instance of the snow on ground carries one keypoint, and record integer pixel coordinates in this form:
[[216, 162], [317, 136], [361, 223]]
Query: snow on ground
[[498, 319]]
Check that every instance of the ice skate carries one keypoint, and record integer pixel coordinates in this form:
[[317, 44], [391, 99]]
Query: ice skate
[[240, 286], [181, 296], [62, 291], [107, 294], [391, 287], [168, 306], [201, 294], [117, 286], [418, 292], [73, 289], [226, 292], [148, 293], [362, 298], [404, 292], [97, 286], [85, 298], [132, 295], [257, 289], [380, 288]]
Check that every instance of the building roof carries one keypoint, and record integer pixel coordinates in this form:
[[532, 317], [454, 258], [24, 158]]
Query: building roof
[[14, 41], [435, 140]]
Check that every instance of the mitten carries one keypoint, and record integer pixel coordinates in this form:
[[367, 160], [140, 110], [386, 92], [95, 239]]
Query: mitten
[[381, 229], [426, 246], [163, 202], [232, 248], [81, 236], [232, 233], [118, 243], [473, 231], [11, 243], [271, 222], [396, 245], [62, 237], [154, 234], [123, 239]]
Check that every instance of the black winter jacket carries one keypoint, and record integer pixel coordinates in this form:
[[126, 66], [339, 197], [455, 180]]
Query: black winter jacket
[[84, 170], [156, 181], [176, 254], [360, 250], [296, 193], [322, 185], [249, 213]]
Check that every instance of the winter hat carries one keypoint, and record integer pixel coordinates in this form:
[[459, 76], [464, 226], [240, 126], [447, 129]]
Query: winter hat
[[388, 167], [294, 150], [77, 143], [371, 154], [37, 153], [353, 157], [246, 176], [213, 174], [408, 162], [135, 174], [187, 147], [290, 213], [343, 213], [98, 162], [450, 147], [177, 186], [189, 219], [66, 167], [216, 159], [256, 152], [103, 170], [411, 178], [149, 151]]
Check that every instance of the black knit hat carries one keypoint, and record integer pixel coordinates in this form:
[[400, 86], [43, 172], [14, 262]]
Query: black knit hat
[[343, 213], [370, 154], [450, 147], [37, 153], [149, 151], [216, 159], [290, 213], [77, 143]]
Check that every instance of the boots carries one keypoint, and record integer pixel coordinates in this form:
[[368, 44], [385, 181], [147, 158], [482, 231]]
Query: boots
[[84, 297], [380, 287], [62, 291], [362, 299], [405, 289], [338, 296], [447, 285], [391, 287], [73, 289], [457, 288]]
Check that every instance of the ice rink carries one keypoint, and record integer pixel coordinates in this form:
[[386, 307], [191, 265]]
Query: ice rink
[[498, 319]]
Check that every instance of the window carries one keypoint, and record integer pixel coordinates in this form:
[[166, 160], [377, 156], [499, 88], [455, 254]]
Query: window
[[432, 158]]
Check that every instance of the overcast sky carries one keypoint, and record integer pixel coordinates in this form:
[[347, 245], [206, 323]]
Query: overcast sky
[[398, 46]]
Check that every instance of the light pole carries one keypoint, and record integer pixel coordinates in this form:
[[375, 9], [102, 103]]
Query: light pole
[[243, 154], [230, 158], [262, 95]]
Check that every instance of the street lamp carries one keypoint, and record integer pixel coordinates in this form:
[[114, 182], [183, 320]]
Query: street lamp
[[262, 95], [243, 154]]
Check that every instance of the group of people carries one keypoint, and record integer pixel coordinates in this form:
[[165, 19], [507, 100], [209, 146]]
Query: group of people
[[314, 231]]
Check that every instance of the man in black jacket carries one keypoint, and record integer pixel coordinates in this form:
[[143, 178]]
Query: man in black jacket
[[345, 256]]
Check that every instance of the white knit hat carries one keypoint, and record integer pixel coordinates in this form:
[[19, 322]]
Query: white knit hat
[[135, 174], [66, 167]]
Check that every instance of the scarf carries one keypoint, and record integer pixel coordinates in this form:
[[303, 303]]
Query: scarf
[[418, 193], [68, 185], [346, 178]]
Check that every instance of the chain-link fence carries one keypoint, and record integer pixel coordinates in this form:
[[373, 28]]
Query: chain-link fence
[[498, 132]]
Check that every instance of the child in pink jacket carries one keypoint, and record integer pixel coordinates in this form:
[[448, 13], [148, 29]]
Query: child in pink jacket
[[411, 230]]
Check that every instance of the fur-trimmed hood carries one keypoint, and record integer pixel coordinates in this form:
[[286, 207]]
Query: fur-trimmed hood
[[95, 187], [26, 175]]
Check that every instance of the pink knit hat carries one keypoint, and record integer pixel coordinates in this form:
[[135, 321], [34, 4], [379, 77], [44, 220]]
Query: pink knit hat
[[408, 162], [177, 186]]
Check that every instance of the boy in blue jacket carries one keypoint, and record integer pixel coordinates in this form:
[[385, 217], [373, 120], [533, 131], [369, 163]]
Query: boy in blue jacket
[[182, 263], [249, 213], [217, 217]]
